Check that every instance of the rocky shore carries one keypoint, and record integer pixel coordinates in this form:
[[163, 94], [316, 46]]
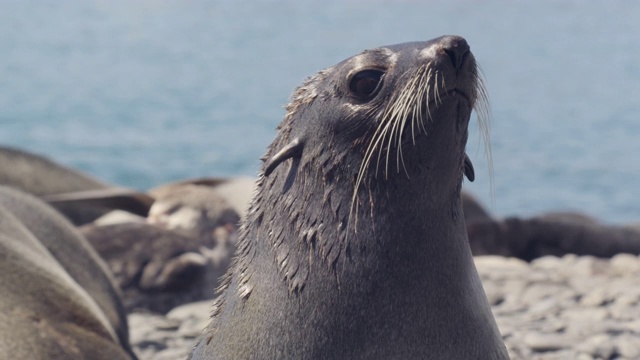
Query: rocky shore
[[552, 308], [569, 307]]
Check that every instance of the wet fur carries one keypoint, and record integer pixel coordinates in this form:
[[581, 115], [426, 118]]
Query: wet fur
[[398, 282]]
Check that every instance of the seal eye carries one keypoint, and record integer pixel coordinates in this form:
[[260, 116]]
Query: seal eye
[[366, 84]]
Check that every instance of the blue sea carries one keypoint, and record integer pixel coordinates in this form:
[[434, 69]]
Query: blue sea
[[142, 92]]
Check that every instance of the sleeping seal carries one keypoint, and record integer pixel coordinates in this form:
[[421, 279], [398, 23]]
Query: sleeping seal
[[40, 176], [555, 234], [177, 253], [58, 301]]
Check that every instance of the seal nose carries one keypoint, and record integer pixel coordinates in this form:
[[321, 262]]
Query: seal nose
[[456, 48]]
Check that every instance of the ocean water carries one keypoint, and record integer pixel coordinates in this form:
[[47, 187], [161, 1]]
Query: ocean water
[[142, 92]]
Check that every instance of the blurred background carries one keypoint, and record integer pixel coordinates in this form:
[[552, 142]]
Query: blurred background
[[139, 93]]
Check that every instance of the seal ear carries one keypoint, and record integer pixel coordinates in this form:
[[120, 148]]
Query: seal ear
[[291, 150], [469, 172]]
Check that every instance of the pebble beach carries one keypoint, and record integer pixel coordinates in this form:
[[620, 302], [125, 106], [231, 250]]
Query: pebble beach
[[552, 308]]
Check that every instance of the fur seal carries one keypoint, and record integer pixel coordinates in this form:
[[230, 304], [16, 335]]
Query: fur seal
[[554, 234], [37, 175], [158, 269], [192, 206], [234, 191], [354, 246], [58, 300], [177, 254]]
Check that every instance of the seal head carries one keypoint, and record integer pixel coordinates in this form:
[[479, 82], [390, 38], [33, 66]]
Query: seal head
[[354, 246]]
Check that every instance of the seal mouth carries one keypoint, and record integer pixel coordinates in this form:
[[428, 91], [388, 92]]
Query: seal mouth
[[451, 94], [460, 94]]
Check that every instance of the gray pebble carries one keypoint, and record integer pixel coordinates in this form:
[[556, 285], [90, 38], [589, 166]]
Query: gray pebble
[[595, 297], [190, 311], [628, 346], [625, 264], [598, 346], [172, 354], [546, 342]]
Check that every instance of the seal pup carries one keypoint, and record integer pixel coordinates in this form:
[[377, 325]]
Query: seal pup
[[235, 191], [354, 246], [177, 253], [197, 206], [58, 300], [158, 269]]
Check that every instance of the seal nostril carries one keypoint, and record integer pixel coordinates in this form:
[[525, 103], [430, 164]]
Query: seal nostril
[[456, 48], [454, 57]]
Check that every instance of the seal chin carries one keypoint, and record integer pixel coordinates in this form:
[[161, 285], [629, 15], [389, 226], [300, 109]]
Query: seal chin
[[462, 96]]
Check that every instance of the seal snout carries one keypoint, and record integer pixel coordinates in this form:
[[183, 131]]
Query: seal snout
[[456, 48], [454, 59]]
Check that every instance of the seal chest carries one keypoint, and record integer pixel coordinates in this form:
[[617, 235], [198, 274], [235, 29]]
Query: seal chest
[[354, 246]]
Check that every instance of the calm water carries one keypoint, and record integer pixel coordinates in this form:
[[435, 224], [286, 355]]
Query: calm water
[[144, 92]]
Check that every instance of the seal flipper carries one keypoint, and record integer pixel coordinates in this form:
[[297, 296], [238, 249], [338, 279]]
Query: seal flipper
[[133, 201], [292, 150], [469, 172]]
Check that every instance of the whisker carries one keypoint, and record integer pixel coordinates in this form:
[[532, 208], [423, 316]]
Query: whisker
[[408, 103], [407, 106], [428, 90], [483, 111]]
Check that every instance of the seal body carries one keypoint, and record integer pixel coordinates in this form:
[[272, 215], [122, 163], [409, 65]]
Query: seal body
[[175, 255], [158, 269], [58, 300], [206, 192], [178, 251], [40, 176], [555, 234], [354, 246]]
